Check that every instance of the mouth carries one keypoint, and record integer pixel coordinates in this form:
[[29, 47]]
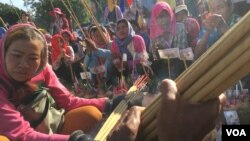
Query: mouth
[[22, 73]]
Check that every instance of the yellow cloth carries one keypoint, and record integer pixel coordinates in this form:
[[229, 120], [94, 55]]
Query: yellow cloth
[[3, 138], [140, 21], [111, 5], [82, 118]]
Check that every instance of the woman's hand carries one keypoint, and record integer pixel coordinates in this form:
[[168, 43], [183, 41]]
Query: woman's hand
[[178, 120], [90, 45], [127, 128], [215, 21]]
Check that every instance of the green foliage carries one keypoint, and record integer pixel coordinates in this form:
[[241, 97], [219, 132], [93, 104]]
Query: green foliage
[[39, 10], [42, 8], [9, 14]]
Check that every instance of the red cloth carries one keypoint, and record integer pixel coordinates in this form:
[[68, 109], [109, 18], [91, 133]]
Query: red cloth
[[56, 49], [129, 2]]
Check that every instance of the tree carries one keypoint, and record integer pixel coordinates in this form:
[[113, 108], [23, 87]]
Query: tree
[[42, 7], [9, 14]]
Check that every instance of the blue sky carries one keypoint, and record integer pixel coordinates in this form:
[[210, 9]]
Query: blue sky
[[16, 3]]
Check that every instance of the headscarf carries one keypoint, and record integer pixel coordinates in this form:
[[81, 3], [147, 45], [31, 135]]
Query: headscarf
[[94, 28], [155, 29], [71, 37], [55, 47], [128, 39], [173, 3], [44, 56], [123, 43], [192, 28]]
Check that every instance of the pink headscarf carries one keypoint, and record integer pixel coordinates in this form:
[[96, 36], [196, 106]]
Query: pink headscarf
[[3, 73], [192, 28], [155, 29]]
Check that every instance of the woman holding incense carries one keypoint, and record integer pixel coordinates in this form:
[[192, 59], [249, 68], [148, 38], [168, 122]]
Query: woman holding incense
[[62, 56], [175, 117], [217, 22], [78, 51], [103, 43], [167, 37], [97, 60], [23, 53], [128, 52]]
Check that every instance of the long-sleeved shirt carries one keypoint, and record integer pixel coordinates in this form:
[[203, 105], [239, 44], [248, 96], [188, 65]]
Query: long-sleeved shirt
[[12, 123]]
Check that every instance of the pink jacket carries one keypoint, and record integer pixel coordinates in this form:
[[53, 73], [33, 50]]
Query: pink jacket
[[12, 123], [139, 50], [11, 119]]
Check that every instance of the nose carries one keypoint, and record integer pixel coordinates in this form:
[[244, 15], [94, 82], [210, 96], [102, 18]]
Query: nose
[[24, 63]]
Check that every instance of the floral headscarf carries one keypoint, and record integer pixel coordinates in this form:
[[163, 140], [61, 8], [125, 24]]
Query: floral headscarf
[[155, 29], [128, 39]]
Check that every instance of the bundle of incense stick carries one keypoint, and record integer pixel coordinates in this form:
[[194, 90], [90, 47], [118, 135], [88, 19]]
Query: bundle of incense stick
[[121, 108], [226, 62]]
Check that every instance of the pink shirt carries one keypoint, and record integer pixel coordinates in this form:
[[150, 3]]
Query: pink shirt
[[16, 128]]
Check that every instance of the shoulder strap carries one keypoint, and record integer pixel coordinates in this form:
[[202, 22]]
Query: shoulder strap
[[35, 123]]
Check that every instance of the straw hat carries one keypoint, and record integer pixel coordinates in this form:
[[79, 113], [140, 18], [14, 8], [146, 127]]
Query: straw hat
[[180, 8], [56, 10]]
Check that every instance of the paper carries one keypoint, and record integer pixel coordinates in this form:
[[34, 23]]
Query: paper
[[169, 53], [231, 117], [124, 57], [186, 54], [85, 75]]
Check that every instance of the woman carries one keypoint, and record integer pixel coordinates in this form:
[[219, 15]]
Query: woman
[[78, 51], [216, 24], [112, 12], [62, 57], [59, 21], [23, 54], [96, 36], [25, 19], [97, 60], [165, 33], [128, 51], [104, 45]]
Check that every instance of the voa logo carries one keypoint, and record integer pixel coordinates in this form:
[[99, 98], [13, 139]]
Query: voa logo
[[236, 132]]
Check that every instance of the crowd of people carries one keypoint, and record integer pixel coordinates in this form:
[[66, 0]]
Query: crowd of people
[[109, 59]]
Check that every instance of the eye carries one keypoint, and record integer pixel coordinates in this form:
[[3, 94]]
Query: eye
[[16, 55], [34, 58]]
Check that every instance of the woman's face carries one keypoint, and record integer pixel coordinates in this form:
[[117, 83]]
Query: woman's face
[[25, 18], [60, 43], [163, 19], [122, 30], [221, 8], [23, 59], [97, 37], [66, 37]]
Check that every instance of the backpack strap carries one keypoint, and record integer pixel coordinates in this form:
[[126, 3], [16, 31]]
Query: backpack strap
[[35, 123]]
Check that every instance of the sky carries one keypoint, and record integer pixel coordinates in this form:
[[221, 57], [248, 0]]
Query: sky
[[16, 3]]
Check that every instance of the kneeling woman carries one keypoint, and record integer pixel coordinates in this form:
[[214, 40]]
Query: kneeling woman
[[128, 51]]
